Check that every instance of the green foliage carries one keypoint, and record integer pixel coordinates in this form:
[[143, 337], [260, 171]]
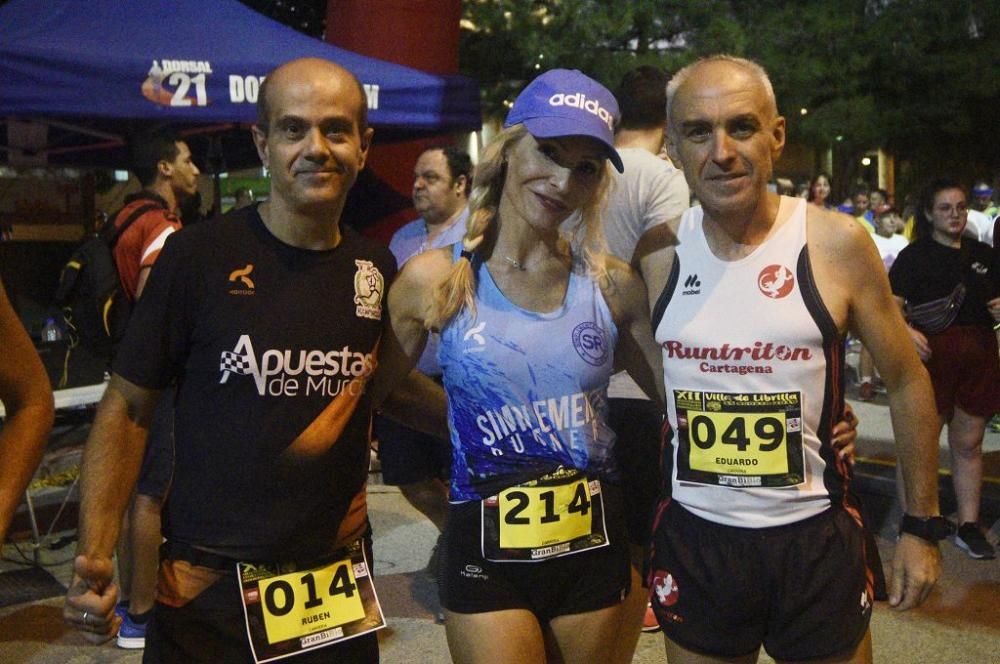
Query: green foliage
[[916, 77]]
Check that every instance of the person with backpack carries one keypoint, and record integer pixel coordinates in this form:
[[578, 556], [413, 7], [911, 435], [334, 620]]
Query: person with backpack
[[162, 163]]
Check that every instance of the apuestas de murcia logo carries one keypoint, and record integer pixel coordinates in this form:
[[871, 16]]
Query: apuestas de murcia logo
[[177, 82], [368, 288], [293, 373], [579, 100]]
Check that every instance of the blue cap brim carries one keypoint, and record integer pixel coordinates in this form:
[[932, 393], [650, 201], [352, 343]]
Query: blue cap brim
[[550, 126]]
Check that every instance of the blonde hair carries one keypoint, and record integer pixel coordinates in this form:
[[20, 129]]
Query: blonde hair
[[456, 291]]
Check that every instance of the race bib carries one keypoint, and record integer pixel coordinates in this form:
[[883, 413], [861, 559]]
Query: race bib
[[739, 439], [289, 611], [556, 515]]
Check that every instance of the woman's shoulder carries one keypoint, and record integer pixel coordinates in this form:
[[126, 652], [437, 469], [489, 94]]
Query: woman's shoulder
[[428, 266]]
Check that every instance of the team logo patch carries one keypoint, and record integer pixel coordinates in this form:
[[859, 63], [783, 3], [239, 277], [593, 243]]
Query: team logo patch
[[591, 343], [242, 276], [775, 281], [665, 588], [369, 285]]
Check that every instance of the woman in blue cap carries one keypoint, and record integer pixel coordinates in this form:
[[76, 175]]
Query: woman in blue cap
[[535, 558]]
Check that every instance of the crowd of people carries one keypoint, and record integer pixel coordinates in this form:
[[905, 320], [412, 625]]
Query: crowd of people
[[607, 401], [944, 268]]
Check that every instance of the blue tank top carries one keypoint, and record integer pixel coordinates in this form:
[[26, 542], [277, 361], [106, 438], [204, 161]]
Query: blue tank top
[[527, 391]]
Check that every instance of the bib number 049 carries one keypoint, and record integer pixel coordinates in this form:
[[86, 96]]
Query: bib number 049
[[739, 439], [768, 432]]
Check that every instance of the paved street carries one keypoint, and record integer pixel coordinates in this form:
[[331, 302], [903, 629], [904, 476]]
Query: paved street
[[960, 622]]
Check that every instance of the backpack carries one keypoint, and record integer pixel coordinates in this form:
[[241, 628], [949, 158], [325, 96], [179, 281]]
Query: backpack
[[95, 308]]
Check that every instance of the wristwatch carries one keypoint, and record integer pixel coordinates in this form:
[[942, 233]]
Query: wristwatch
[[930, 528]]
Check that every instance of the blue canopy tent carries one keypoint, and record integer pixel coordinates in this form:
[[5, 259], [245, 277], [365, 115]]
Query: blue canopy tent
[[88, 69]]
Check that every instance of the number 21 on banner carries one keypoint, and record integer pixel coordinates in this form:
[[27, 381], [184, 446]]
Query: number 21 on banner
[[182, 83]]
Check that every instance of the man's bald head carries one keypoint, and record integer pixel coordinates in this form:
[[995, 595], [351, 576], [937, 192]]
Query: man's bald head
[[305, 68], [719, 65]]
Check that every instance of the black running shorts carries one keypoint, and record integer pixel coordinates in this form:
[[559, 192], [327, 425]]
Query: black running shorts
[[211, 628], [637, 424], [802, 590], [578, 583]]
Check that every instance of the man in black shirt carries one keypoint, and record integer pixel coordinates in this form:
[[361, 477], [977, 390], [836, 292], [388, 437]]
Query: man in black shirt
[[269, 320]]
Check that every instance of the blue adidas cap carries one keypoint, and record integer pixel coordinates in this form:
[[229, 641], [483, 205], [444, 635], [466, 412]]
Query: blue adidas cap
[[566, 102]]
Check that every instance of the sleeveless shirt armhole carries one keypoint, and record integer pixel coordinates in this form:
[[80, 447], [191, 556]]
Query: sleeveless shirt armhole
[[668, 292], [810, 296]]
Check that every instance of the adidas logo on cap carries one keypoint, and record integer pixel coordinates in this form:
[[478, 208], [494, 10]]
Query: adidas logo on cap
[[579, 100]]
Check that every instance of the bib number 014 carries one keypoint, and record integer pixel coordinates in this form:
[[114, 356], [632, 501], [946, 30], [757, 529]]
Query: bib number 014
[[280, 597], [290, 610]]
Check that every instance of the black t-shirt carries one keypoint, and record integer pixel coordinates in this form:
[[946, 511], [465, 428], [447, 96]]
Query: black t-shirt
[[927, 270], [267, 343]]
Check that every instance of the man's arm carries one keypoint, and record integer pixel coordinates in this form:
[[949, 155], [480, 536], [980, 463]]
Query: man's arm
[[27, 399], [654, 258], [666, 198], [636, 351], [112, 457], [854, 287], [419, 403]]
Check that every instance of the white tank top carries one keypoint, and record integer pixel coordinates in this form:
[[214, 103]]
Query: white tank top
[[753, 366]]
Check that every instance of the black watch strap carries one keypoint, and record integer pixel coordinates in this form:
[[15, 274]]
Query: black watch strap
[[930, 528]]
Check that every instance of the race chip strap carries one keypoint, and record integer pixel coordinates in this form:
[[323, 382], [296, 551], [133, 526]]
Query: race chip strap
[[290, 610], [739, 439], [556, 515]]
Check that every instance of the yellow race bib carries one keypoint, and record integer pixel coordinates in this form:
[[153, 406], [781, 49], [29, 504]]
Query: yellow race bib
[[739, 439], [556, 515], [289, 610]]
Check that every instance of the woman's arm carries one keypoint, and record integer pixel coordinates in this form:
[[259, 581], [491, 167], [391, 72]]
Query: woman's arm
[[403, 393]]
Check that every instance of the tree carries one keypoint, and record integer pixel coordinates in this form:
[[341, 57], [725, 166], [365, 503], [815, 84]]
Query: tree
[[916, 77]]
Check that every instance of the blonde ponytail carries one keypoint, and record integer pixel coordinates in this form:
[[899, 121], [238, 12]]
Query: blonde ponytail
[[457, 289]]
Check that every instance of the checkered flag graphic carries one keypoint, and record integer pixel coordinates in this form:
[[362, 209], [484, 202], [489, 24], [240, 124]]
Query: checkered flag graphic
[[234, 363]]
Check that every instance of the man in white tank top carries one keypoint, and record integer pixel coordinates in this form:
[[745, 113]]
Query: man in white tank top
[[751, 296]]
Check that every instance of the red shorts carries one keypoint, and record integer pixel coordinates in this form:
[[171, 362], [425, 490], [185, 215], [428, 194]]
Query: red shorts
[[965, 371]]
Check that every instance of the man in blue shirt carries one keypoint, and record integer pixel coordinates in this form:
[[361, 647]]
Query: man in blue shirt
[[414, 461]]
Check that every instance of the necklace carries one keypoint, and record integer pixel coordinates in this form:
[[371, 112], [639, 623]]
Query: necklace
[[516, 263]]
